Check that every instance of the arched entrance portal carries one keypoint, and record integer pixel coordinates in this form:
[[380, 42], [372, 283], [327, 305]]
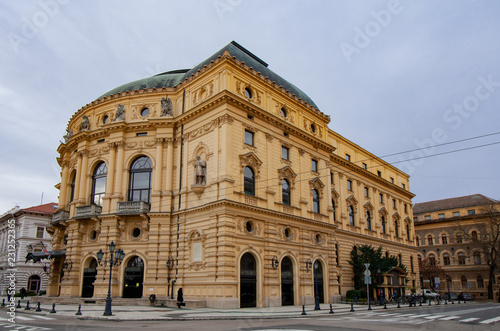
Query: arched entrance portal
[[133, 278], [248, 281], [89, 275], [287, 298], [34, 283], [318, 282]]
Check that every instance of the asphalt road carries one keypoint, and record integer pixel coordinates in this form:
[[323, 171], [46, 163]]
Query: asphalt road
[[484, 316]]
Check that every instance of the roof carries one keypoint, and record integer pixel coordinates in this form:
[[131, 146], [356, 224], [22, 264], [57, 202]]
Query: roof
[[452, 203], [173, 78], [48, 208]]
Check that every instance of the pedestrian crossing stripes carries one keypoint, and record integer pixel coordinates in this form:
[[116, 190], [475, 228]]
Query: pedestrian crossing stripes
[[28, 318], [424, 318]]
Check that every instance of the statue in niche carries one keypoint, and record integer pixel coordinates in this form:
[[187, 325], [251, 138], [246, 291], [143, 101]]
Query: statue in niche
[[120, 113], [200, 171], [85, 124], [166, 107], [68, 135]]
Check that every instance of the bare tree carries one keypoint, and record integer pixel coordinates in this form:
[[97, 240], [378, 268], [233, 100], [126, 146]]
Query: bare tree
[[429, 270], [486, 240]]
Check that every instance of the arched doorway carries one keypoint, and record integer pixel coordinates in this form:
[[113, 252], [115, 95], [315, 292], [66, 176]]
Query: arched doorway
[[34, 283], [89, 275], [248, 281], [287, 298], [318, 281], [133, 278]]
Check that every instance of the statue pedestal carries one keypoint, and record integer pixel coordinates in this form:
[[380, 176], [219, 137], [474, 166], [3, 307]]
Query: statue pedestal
[[198, 189]]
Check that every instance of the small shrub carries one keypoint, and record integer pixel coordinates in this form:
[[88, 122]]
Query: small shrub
[[352, 293]]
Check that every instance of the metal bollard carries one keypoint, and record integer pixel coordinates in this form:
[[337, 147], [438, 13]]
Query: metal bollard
[[385, 305], [445, 302], [38, 307], [331, 310], [420, 305], [3, 303], [18, 304], [439, 302], [53, 311], [304, 310], [398, 303], [79, 312], [27, 305], [352, 306], [430, 302], [458, 300]]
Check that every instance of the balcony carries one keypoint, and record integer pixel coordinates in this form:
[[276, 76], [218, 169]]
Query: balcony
[[59, 217], [132, 207], [88, 211]]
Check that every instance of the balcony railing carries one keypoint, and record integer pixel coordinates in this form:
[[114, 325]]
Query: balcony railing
[[132, 207], [87, 211], [59, 217]]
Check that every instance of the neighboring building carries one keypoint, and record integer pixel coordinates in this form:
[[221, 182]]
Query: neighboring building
[[30, 236], [224, 180], [446, 231]]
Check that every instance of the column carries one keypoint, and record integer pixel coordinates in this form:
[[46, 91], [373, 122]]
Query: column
[[119, 170], [110, 176], [63, 195]]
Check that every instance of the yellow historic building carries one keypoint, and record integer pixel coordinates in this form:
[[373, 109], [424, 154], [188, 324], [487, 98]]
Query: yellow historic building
[[224, 180], [452, 233]]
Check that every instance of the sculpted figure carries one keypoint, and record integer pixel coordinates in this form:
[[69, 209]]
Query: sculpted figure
[[200, 171], [120, 113], [85, 124], [68, 135], [166, 107]]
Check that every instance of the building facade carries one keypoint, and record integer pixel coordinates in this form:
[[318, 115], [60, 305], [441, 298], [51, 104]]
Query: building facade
[[224, 180], [449, 235], [23, 231]]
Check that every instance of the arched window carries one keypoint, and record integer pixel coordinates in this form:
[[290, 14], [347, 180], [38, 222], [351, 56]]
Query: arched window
[[140, 179], [99, 183], [446, 259], [249, 181], [72, 187], [408, 231], [351, 216], [474, 235], [464, 282], [477, 257], [480, 282], [461, 258], [419, 258], [315, 196], [418, 241], [411, 263], [384, 230], [285, 192], [432, 259], [459, 238], [396, 228], [368, 221], [444, 239], [429, 240]]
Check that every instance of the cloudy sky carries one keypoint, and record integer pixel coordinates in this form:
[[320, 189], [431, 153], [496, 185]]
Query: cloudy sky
[[395, 76]]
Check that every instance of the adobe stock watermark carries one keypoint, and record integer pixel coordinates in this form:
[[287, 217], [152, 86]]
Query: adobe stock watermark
[[372, 29], [225, 6], [32, 26], [454, 116]]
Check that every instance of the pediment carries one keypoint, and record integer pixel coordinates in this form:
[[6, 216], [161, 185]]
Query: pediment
[[250, 159], [351, 200], [368, 206], [287, 172]]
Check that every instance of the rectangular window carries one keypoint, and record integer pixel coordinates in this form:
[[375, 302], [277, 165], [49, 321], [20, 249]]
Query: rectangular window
[[366, 192], [440, 215], [285, 153], [39, 232], [348, 157], [427, 217], [314, 165], [404, 186], [141, 134], [379, 173], [456, 213], [406, 208], [471, 212], [331, 178], [392, 180], [248, 137], [393, 203], [381, 198], [365, 166], [349, 185]]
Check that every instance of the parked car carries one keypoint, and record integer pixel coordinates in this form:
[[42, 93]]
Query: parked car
[[465, 296], [429, 294], [452, 296]]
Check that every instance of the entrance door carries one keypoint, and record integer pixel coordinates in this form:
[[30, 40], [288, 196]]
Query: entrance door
[[248, 281], [34, 283], [89, 275], [318, 281], [133, 278], [287, 282]]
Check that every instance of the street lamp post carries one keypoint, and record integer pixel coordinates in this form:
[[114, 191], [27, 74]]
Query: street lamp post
[[316, 290], [379, 288], [112, 262]]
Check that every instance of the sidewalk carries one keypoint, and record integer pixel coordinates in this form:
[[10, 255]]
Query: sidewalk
[[146, 313]]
